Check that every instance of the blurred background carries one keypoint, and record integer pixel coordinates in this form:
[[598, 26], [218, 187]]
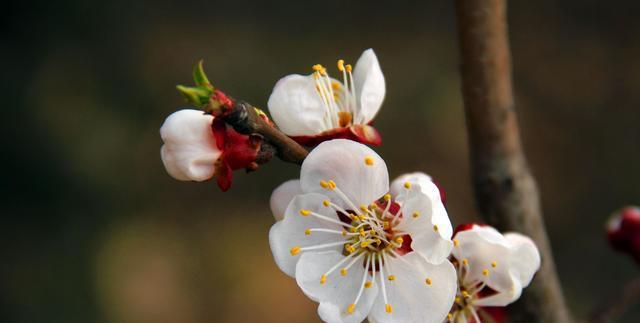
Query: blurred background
[[94, 230]]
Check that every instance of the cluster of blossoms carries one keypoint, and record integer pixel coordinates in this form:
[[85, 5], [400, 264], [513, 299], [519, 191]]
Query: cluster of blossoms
[[361, 246]]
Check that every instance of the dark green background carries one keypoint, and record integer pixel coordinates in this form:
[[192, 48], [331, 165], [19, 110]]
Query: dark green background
[[94, 230]]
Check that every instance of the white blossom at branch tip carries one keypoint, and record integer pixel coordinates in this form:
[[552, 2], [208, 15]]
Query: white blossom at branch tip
[[308, 105], [189, 152], [357, 266]]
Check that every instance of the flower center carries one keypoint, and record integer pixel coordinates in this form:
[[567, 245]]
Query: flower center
[[339, 98]]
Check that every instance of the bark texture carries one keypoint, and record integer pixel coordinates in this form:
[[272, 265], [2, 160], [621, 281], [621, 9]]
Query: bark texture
[[506, 192]]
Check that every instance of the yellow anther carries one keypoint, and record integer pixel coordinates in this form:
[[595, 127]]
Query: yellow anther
[[317, 67], [304, 212], [378, 241], [485, 272], [385, 225], [336, 86], [435, 227], [465, 294], [399, 240], [415, 215], [373, 206], [407, 185], [387, 197], [392, 277], [294, 251], [348, 68], [324, 184], [456, 242], [332, 184], [353, 230], [343, 271], [363, 208], [364, 244], [458, 300], [362, 232], [323, 279], [362, 217], [326, 203], [494, 264], [388, 308], [368, 284], [350, 249], [341, 65], [351, 308], [368, 161], [465, 262], [428, 281], [344, 233], [449, 316], [307, 232]]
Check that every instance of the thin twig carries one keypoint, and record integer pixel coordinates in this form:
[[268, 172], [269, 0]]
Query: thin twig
[[613, 309], [506, 193]]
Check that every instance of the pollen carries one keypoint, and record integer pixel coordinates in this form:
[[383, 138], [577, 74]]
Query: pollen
[[465, 261], [323, 279], [407, 185], [387, 197], [295, 250], [428, 281], [307, 232], [494, 264], [399, 240], [465, 294], [388, 308], [362, 232], [343, 271], [332, 184], [341, 65], [458, 299], [449, 316], [324, 184], [326, 203], [373, 206], [364, 244], [485, 272], [368, 161], [362, 217], [351, 308], [435, 227], [348, 68], [385, 225], [392, 277], [304, 212], [363, 208], [336, 86], [456, 242], [350, 249], [415, 215], [368, 284], [344, 233]]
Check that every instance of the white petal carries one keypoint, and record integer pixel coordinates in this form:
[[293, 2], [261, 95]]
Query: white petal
[[281, 197], [417, 178], [525, 258], [412, 299], [427, 222], [296, 107], [290, 232], [338, 291], [502, 298], [356, 169], [189, 151], [370, 86]]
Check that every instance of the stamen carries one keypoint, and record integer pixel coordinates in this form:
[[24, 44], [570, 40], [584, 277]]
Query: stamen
[[368, 161], [307, 232], [416, 215], [343, 232], [485, 272], [341, 65], [435, 227], [428, 281], [320, 246], [364, 279], [323, 279], [456, 242], [322, 217], [392, 277], [407, 185], [326, 203], [295, 250], [494, 264], [388, 307], [304, 212]]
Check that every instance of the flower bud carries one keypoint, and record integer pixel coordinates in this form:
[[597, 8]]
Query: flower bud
[[623, 231]]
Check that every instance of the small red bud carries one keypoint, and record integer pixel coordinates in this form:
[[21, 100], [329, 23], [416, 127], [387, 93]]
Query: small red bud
[[623, 231]]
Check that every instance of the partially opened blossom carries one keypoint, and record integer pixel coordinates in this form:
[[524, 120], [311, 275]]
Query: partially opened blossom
[[198, 147], [359, 251], [492, 269], [314, 108], [426, 182]]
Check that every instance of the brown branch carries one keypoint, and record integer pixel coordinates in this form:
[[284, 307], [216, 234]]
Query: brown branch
[[506, 193], [613, 309], [244, 118]]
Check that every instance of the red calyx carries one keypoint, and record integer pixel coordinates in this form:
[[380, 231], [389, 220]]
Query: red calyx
[[238, 152], [623, 231], [467, 226], [365, 134]]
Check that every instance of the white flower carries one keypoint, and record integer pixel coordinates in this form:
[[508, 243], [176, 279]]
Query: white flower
[[316, 104], [492, 269], [346, 241], [189, 152]]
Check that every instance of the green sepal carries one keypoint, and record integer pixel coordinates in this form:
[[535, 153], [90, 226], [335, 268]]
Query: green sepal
[[200, 77], [196, 95]]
